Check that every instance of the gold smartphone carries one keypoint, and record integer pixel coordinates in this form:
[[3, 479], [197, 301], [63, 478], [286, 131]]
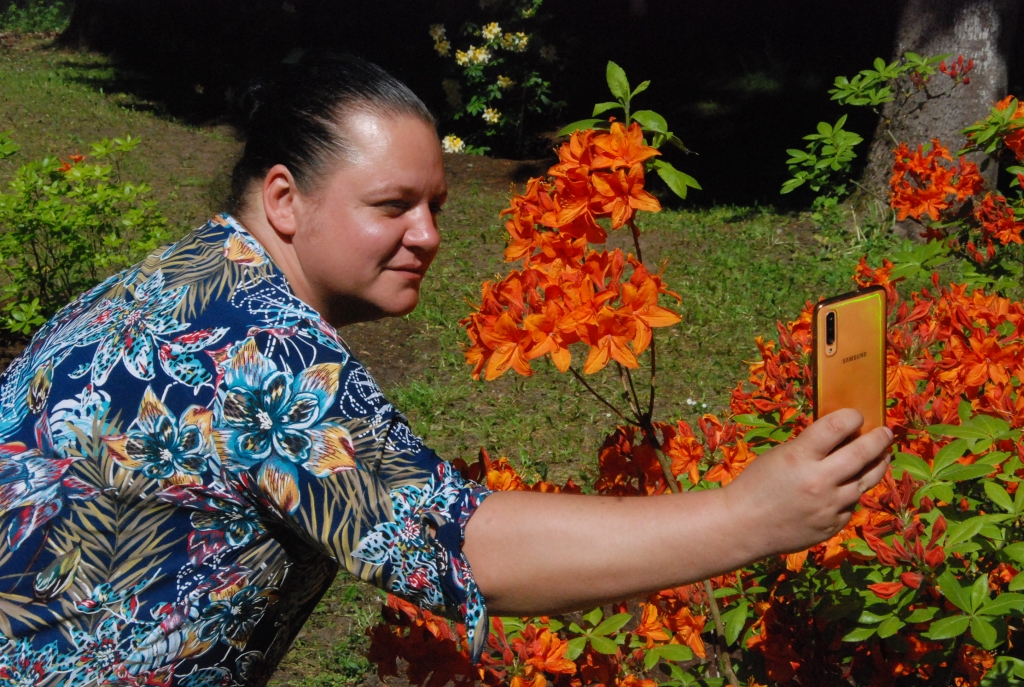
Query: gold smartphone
[[849, 355]]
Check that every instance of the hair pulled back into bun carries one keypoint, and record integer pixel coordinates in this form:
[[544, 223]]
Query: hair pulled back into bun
[[298, 120]]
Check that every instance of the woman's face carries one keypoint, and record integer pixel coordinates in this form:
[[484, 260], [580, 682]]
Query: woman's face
[[367, 236]]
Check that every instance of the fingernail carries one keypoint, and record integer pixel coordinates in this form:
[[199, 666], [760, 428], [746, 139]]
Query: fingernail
[[889, 432]]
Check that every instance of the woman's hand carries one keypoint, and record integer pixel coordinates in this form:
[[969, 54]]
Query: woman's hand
[[801, 493], [536, 554]]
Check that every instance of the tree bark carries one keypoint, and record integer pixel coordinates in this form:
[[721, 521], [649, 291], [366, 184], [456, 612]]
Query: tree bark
[[982, 30]]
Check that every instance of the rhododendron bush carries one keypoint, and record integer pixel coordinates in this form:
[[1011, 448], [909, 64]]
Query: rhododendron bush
[[921, 587]]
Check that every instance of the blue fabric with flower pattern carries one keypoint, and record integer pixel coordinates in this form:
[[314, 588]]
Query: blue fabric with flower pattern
[[188, 455]]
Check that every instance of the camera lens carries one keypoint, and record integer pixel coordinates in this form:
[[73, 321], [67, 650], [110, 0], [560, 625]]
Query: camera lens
[[830, 328]]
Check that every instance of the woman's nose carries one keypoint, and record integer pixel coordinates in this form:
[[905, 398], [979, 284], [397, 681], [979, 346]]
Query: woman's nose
[[422, 233]]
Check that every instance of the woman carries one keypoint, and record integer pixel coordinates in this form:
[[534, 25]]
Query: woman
[[191, 452]]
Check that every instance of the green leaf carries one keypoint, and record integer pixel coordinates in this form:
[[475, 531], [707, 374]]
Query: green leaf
[[947, 628], [1004, 604], [1017, 583], [869, 618], [594, 616], [676, 180], [952, 590], [603, 645], [675, 652], [912, 464], [1015, 551], [859, 634], [979, 592], [651, 120], [922, 615], [639, 89], [618, 84], [983, 631], [576, 647], [735, 620], [580, 125], [999, 496], [604, 107], [890, 626], [612, 624], [962, 473], [948, 455], [968, 529]]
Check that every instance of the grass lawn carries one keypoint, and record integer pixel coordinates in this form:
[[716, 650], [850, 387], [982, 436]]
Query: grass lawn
[[738, 270]]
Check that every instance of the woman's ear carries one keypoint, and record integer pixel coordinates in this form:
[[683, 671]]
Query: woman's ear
[[280, 197]]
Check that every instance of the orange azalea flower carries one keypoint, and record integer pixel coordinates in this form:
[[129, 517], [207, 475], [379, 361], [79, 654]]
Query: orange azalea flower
[[736, 459], [608, 334], [651, 628], [685, 451], [901, 380], [921, 185], [687, 629], [998, 221], [543, 651], [634, 681], [507, 342], [972, 664], [621, 194], [795, 561], [621, 147]]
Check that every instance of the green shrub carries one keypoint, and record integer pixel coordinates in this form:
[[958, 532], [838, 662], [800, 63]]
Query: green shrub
[[65, 225], [34, 16]]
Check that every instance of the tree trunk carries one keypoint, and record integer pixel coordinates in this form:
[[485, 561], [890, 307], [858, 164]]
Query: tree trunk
[[982, 30]]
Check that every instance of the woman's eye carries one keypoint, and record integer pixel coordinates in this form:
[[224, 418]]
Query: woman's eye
[[395, 207]]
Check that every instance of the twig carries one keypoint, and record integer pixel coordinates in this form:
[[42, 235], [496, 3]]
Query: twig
[[629, 390], [722, 647], [673, 485], [601, 398], [654, 370]]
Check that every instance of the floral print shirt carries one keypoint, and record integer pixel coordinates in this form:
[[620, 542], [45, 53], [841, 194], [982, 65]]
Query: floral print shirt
[[188, 456]]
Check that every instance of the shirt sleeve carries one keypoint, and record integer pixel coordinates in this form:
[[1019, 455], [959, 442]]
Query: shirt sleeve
[[313, 440]]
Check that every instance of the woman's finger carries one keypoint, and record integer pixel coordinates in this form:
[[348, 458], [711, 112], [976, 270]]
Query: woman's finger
[[857, 456], [826, 433]]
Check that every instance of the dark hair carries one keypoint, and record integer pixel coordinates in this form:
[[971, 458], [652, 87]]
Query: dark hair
[[298, 120]]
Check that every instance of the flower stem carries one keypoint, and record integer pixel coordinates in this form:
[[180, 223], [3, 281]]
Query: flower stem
[[601, 398], [722, 649], [629, 391]]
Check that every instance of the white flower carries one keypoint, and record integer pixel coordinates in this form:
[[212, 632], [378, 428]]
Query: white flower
[[437, 32], [491, 116], [515, 41], [453, 144], [690, 402], [461, 58], [703, 405], [442, 47], [479, 55], [505, 83], [491, 31]]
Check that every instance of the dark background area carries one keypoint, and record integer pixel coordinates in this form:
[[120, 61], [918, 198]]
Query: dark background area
[[739, 81]]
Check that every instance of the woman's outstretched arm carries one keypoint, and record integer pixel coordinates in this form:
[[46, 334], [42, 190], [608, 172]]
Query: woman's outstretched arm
[[539, 554]]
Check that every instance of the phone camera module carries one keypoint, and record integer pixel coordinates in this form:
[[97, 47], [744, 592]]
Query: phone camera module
[[830, 329]]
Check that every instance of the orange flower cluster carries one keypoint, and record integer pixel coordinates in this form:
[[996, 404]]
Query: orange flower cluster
[[922, 185], [565, 292], [1015, 139], [947, 347]]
